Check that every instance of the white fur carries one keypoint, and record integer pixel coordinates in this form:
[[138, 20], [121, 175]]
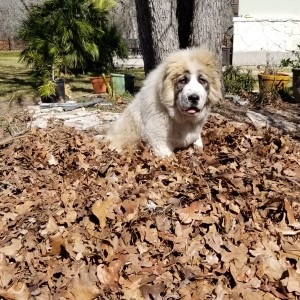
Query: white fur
[[160, 117], [194, 87]]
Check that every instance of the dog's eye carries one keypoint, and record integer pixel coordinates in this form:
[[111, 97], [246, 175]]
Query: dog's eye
[[183, 80], [201, 80]]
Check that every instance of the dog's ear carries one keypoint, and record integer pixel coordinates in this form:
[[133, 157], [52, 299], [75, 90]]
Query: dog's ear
[[214, 74], [172, 68], [215, 94], [166, 91]]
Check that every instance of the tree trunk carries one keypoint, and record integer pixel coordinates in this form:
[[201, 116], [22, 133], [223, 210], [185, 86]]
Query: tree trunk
[[9, 44], [165, 26], [158, 30], [125, 18], [208, 25]]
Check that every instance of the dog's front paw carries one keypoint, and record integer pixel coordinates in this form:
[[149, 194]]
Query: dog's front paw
[[199, 143], [162, 151]]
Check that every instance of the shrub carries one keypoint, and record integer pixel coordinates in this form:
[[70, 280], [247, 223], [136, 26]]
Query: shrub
[[64, 35], [294, 63], [237, 80]]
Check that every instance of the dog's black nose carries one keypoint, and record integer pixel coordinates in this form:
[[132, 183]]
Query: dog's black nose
[[194, 98]]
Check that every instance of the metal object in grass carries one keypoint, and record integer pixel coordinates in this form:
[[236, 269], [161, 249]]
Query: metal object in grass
[[74, 105]]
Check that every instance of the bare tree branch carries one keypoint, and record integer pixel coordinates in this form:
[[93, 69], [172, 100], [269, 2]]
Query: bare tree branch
[[25, 5]]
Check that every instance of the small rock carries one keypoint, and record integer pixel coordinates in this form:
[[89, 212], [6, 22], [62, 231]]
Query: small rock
[[258, 120], [41, 123]]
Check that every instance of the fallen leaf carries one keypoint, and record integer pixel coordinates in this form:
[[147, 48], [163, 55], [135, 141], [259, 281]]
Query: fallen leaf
[[99, 209], [17, 291], [151, 235], [192, 212], [83, 287], [269, 266], [13, 248], [51, 226], [152, 291], [7, 272], [293, 284], [289, 212], [109, 275]]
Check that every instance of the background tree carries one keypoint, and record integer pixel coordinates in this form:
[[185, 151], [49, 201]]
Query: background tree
[[165, 26], [26, 6], [12, 12], [125, 19], [185, 13], [208, 24], [158, 30]]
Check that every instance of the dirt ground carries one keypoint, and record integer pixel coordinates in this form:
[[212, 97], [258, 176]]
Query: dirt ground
[[79, 221]]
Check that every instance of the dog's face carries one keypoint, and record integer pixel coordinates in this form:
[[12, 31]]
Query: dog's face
[[191, 84], [191, 92]]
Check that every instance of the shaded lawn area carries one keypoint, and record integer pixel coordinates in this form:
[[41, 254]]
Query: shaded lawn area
[[14, 76]]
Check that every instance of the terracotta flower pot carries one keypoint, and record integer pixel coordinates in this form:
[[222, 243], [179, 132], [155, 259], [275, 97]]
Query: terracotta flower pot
[[98, 84], [270, 82]]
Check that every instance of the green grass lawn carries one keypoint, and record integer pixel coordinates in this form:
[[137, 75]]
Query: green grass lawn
[[14, 77]]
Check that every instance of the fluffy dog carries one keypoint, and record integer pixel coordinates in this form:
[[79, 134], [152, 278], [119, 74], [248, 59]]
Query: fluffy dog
[[170, 110]]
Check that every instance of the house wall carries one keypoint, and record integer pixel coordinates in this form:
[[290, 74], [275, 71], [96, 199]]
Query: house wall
[[265, 28], [269, 8]]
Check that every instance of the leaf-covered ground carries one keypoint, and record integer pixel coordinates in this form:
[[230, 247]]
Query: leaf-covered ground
[[78, 221]]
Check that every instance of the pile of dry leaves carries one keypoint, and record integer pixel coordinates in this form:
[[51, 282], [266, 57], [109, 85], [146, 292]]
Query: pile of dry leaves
[[79, 221]]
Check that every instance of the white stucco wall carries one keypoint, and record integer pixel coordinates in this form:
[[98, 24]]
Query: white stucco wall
[[269, 8], [268, 26]]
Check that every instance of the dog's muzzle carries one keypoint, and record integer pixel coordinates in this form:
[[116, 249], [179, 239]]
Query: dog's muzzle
[[193, 101]]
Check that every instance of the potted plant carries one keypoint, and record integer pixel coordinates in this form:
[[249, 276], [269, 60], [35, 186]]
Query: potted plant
[[101, 84], [52, 90], [271, 79], [50, 84], [295, 65]]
